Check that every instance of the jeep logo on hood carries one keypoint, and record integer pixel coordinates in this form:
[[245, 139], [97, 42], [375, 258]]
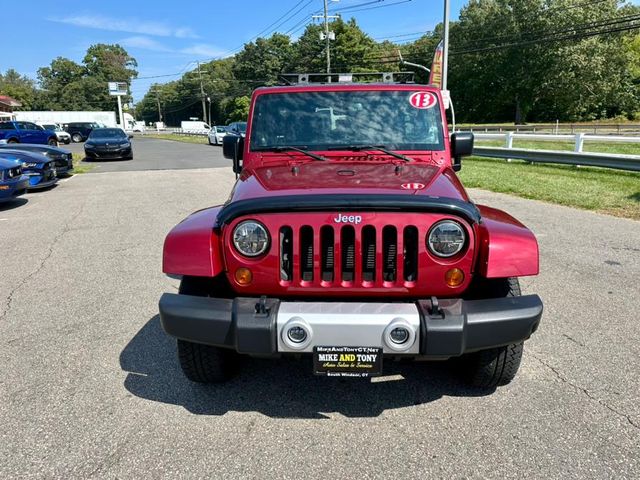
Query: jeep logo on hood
[[356, 219]]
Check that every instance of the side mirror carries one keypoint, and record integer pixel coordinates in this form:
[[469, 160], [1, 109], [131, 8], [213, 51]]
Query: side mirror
[[461, 146], [232, 148]]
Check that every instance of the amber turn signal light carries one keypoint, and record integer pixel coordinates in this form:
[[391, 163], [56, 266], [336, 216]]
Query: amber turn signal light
[[244, 276], [454, 277]]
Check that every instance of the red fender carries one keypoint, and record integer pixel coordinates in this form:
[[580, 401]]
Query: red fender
[[193, 247], [506, 247]]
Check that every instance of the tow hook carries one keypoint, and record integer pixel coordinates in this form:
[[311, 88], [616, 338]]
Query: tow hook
[[261, 307], [435, 310]]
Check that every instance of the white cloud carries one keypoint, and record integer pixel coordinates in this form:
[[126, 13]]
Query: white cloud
[[199, 50], [144, 43], [158, 29], [202, 50]]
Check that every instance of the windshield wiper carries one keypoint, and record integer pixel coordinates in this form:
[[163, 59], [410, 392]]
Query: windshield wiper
[[381, 148], [290, 148]]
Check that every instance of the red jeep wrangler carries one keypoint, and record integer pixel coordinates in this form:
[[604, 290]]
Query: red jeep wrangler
[[349, 237]]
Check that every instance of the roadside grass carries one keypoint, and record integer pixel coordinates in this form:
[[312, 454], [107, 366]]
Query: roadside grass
[[606, 191], [79, 166], [595, 147], [179, 138]]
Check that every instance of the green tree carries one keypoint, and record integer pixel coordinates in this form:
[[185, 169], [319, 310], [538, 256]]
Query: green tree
[[19, 87], [237, 109], [510, 62], [67, 85], [263, 60]]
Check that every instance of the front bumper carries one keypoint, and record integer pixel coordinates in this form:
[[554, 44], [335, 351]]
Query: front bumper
[[254, 326], [13, 188], [108, 154], [40, 180], [64, 166], [64, 138]]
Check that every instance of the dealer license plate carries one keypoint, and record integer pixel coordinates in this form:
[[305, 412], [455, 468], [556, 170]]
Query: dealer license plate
[[361, 362]]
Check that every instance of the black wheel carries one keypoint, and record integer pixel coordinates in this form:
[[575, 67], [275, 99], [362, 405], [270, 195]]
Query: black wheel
[[205, 363], [52, 142], [12, 140], [76, 137], [496, 366]]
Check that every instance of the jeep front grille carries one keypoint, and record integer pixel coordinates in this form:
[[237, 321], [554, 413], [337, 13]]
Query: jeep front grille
[[342, 255]]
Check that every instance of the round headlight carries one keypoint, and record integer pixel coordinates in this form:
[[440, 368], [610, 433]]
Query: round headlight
[[446, 238], [251, 238]]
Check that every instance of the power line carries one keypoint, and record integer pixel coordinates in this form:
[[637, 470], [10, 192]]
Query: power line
[[576, 32], [480, 40], [379, 6]]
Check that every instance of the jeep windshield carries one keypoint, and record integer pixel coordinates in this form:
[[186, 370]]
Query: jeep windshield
[[333, 119]]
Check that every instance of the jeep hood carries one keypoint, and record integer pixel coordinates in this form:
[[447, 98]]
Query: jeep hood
[[314, 178]]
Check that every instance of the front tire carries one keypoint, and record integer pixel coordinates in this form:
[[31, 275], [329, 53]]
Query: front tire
[[76, 137], [52, 142], [205, 363], [496, 366], [12, 140]]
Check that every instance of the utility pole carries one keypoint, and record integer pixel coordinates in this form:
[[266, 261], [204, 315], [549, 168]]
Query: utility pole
[[327, 36], [445, 44], [209, 101], [204, 107], [159, 107]]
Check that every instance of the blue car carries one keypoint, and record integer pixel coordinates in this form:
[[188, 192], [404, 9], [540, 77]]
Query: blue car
[[40, 170], [12, 182], [26, 132], [63, 159]]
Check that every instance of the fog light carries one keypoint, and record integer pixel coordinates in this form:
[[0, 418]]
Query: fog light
[[297, 334], [244, 276], [399, 335], [454, 277]]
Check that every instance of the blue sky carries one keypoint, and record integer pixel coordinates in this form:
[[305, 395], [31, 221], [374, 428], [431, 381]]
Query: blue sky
[[167, 37]]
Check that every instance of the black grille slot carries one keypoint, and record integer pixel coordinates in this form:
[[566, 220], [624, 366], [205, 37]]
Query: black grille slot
[[327, 248], [286, 254], [389, 253], [369, 253], [306, 253], [410, 251], [348, 245]]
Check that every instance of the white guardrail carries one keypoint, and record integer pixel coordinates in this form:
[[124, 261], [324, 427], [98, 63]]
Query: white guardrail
[[578, 139], [576, 157]]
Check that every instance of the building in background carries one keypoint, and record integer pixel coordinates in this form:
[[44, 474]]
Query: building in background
[[7, 104], [105, 118]]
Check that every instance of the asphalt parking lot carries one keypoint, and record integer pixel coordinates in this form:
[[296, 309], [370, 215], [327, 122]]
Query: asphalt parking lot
[[155, 154], [90, 386]]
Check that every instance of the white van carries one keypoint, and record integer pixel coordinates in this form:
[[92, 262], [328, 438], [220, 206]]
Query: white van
[[190, 126]]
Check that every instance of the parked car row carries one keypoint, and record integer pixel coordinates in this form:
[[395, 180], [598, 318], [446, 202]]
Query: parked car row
[[28, 167], [218, 132]]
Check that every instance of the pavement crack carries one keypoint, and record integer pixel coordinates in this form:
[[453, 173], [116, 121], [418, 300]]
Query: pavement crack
[[586, 392], [572, 339], [41, 264]]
